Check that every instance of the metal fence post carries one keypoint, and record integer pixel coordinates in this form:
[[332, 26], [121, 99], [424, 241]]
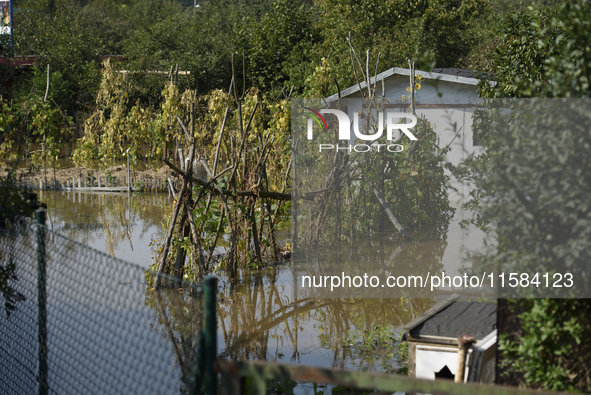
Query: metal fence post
[[41, 296], [210, 335]]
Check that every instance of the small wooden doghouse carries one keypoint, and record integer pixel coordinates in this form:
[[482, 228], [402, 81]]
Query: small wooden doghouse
[[434, 346]]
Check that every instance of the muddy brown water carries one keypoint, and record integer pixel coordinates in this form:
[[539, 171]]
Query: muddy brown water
[[118, 224], [265, 317]]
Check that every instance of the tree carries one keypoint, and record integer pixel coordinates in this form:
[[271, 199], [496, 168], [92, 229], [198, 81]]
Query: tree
[[533, 186], [398, 30], [283, 37], [526, 43]]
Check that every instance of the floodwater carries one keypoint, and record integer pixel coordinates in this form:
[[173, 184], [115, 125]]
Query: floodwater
[[119, 224], [265, 317]]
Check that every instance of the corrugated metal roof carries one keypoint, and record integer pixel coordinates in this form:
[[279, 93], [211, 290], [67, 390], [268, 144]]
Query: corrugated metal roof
[[460, 76]]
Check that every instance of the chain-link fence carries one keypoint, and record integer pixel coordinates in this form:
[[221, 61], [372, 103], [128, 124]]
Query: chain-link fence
[[76, 320]]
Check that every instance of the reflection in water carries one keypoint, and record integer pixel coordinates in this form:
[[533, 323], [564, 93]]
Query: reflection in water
[[180, 317], [382, 256], [119, 224], [13, 245], [266, 318]]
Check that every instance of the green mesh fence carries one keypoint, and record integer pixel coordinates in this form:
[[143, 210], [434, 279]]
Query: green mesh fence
[[78, 321]]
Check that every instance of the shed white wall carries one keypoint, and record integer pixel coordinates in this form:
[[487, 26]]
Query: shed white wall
[[440, 90], [446, 122]]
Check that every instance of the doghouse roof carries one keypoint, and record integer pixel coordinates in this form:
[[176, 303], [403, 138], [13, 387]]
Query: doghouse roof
[[447, 320]]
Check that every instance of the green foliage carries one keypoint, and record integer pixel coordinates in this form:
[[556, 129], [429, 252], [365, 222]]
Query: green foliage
[[116, 126], [552, 351], [6, 128], [15, 202], [199, 43], [66, 40], [518, 62], [138, 185], [544, 52], [397, 30], [378, 343], [446, 29], [412, 181], [38, 125], [568, 70], [50, 127], [535, 170], [533, 187], [109, 177], [282, 39]]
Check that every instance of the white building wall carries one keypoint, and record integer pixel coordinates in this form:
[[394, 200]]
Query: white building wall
[[453, 126]]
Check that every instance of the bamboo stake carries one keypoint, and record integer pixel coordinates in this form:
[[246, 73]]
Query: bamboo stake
[[230, 224], [186, 181], [217, 153], [195, 236], [217, 150], [215, 240], [284, 186], [266, 207], [47, 86], [384, 204], [170, 188], [180, 254], [242, 144], [255, 236], [168, 238]]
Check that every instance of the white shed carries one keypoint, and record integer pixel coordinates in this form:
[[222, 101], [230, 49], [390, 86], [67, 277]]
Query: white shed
[[446, 99]]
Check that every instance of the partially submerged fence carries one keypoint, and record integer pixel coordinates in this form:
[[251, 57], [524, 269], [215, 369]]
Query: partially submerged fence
[[98, 184], [76, 320]]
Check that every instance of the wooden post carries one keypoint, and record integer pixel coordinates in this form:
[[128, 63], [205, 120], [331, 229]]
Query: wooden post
[[42, 303], [181, 159], [464, 344], [171, 188], [412, 86], [211, 381], [128, 170]]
